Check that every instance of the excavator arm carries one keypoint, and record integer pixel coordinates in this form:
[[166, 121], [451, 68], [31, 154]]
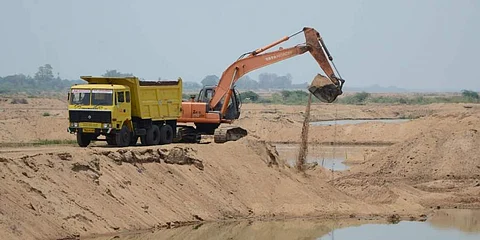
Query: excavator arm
[[325, 89]]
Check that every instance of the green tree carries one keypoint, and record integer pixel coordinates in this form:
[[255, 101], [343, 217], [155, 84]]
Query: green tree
[[191, 85], [272, 80], [44, 73], [249, 96], [357, 98], [470, 94], [115, 73], [285, 94], [246, 82], [210, 80], [361, 96]]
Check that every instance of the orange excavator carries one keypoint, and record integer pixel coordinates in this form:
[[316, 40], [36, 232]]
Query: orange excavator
[[221, 104]]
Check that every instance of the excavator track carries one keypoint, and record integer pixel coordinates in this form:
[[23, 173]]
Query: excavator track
[[228, 133]]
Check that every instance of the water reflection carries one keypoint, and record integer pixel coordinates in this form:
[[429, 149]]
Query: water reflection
[[287, 230], [449, 224], [332, 158], [465, 220], [443, 225]]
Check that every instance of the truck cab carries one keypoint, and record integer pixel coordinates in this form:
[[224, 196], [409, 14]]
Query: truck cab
[[99, 109]]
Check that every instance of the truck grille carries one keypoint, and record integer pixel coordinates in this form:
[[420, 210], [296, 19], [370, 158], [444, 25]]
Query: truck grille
[[90, 116]]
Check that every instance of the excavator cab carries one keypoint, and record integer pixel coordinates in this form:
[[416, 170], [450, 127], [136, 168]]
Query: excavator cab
[[233, 109]]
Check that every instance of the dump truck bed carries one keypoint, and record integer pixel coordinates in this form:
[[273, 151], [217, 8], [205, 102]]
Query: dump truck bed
[[155, 100]]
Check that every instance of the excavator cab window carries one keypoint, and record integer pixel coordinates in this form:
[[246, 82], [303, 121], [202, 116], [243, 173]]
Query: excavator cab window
[[205, 94], [233, 109]]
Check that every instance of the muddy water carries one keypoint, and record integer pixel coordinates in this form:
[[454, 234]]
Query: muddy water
[[356, 121], [336, 158], [445, 224]]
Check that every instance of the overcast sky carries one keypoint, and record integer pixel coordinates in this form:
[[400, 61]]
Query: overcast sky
[[409, 44]]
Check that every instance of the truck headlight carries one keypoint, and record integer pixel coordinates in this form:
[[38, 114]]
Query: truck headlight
[[107, 125], [74, 124]]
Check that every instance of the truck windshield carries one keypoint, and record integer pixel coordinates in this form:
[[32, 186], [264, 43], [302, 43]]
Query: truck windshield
[[102, 97], [80, 97]]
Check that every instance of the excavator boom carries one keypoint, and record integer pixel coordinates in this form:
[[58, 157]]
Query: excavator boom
[[325, 89]]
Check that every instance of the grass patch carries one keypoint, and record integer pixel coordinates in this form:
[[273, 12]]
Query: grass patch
[[53, 142], [19, 101], [42, 142]]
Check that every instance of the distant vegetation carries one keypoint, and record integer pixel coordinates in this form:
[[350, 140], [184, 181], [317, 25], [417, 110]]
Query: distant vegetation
[[299, 97], [467, 96], [284, 91], [44, 80], [265, 81]]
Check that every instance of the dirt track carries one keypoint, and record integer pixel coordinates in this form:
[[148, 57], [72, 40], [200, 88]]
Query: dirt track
[[56, 191]]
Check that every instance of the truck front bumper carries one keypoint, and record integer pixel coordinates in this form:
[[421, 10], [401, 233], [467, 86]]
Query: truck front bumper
[[96, 131]]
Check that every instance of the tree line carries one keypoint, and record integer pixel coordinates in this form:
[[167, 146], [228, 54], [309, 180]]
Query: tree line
[[45, 80], [300, 97], [265, 81]]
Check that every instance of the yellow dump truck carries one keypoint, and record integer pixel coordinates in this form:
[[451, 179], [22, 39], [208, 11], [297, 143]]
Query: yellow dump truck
[[124, 109]]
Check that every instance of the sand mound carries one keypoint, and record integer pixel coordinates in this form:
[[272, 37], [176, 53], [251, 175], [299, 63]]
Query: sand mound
[[440, 152], [54, 193], [437, 167]]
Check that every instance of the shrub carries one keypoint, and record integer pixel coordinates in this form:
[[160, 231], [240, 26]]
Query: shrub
[[470, 95], [46, 114], [249, 95], [19, 101], [357, 98]]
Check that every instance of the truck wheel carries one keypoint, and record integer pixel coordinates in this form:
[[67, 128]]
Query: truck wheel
[[123, 137], [111, 140], [83, 140], [166, 134], [152, 137], [133, 139]]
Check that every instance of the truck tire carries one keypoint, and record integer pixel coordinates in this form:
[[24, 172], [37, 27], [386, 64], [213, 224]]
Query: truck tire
[[166, 134], [123, 137], [83, 140], [133, 140], [111, 140], [152, 137]]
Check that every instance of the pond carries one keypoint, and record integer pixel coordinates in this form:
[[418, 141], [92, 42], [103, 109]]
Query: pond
[[330, 157], [357, 121], [445, 224]]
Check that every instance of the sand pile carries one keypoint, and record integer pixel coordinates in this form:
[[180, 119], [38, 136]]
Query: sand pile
[[54, 193], [448, 150], [437, 167]]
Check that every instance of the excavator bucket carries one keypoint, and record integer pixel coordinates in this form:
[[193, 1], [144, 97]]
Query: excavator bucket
[[324, 89]]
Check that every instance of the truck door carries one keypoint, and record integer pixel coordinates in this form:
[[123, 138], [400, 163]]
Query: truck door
[[122, 105]]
